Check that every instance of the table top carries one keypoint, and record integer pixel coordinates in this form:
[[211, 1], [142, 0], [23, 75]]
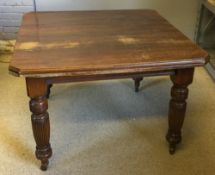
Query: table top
[[101, 42]]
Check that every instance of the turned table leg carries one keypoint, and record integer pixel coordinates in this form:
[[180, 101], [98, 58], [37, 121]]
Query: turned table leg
[[137, 81], [37, 91], [177, 107]]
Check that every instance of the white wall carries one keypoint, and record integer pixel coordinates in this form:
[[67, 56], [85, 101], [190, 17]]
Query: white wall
[[181, 13], [11, 12]]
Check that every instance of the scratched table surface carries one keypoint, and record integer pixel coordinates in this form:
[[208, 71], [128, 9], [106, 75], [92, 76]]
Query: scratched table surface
[[96, 42]]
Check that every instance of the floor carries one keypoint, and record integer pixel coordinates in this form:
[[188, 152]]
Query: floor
[[106, 128]]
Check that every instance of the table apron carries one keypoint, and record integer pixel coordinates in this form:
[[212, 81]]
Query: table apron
[[67, 79]]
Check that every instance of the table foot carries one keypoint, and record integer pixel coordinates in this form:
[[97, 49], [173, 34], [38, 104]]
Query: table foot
[[44, 165], [137, 81], [172, 149], [173, 141], [177, 106], [43, 155]]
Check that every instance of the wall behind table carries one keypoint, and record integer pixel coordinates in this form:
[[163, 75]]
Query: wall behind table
[[11, 12], [181, 13]]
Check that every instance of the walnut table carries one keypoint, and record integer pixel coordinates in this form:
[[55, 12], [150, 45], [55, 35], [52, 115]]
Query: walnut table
[[59, 47]]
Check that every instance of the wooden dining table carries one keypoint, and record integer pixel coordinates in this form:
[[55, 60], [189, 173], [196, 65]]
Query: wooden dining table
[[60, 47]]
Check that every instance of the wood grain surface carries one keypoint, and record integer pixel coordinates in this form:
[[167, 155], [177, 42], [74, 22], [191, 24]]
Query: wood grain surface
[[101, 42]]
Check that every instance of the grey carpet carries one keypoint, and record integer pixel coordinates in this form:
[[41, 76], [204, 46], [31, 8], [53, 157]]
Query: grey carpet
[[105, 128]]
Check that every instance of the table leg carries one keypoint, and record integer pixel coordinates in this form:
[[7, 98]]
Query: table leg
[[37, 90], [49, 90], [137, 81], [177, 108]]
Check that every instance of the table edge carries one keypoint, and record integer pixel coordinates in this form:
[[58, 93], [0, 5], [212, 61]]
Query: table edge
[[153, 66]]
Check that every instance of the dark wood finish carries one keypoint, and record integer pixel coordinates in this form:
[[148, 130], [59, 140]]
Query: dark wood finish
[[64, 79], [94, 42], [49, 90], [137, 81], [37, 90], [179, 93], [59, 47]]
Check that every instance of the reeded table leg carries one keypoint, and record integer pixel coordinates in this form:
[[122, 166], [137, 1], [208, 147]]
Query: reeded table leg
[[137, 81], [37, 91], [177, 108]]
